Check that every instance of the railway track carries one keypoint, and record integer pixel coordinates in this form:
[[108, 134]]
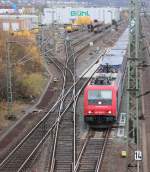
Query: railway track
[[62, 126], [66, 144], [91, 37], [92, 152], [84, 46], [29, 146], [83, 39], [32, 142], [77, 35]]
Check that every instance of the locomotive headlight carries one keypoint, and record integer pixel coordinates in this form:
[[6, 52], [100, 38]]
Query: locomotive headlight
[[89, 112], [109, 112], [99, 103]]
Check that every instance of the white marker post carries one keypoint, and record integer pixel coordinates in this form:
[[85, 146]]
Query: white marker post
[[138, 155]]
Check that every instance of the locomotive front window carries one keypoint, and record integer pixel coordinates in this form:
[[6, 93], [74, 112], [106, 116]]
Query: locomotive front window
[[100, 97]]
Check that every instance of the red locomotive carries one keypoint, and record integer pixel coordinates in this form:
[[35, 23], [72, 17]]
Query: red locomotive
[[102, 96]]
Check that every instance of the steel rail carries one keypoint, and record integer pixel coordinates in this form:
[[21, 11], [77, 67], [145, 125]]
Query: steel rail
[[27, 136], [59, 66], [45, 52], [74, 111], [94, 40], [101, 155], [60, 108], [63, 69], [76, 36], [85, 38], [72, 57], [91, 37], [58, 119], [85, 46], [76, 166], [52, 127]]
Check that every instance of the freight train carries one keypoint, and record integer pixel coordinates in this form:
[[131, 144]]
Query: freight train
[[78, 24], [98, 27], [71, 27], [102, 95]]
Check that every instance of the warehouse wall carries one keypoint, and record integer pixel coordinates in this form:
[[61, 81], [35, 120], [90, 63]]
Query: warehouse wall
[[66, 14]]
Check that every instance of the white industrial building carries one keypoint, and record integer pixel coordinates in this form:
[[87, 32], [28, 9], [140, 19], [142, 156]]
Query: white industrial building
[[7, 11], [66, 14], [18, 22]]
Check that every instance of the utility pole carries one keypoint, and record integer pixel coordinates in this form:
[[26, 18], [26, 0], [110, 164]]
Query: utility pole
[[43, 50], [53, 33], [134, 153]]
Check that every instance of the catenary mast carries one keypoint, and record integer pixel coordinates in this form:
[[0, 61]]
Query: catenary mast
[[133, 87]]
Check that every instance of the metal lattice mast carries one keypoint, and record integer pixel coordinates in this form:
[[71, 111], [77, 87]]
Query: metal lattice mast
[[9, 83], [133, 86]]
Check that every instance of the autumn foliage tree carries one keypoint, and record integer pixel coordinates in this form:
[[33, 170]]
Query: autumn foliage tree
[[27, 67]]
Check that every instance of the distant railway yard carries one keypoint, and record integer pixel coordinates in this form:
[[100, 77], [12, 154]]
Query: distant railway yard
[[80, 121]]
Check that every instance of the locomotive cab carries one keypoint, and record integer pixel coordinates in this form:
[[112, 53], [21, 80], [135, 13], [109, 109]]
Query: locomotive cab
[[100, 104]]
